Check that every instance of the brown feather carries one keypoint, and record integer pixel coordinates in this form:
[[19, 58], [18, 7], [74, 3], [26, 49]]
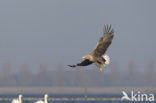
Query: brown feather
[[104, 42]]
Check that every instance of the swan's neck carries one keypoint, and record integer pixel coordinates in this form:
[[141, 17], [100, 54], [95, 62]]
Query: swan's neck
[[20, 99], [45, 100]]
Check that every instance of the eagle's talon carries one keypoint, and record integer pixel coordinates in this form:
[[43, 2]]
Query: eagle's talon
[[101, 70], [104, 65]]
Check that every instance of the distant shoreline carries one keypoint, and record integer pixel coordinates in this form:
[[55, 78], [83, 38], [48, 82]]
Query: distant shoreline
[[73, 90]]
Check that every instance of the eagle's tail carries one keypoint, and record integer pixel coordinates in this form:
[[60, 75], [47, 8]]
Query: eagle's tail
[[107, 58]]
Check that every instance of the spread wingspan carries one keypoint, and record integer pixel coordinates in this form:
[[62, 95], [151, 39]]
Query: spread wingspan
[[96, 56]]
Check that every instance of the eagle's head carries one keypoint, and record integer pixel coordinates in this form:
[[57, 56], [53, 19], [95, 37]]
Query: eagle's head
[[85, 57], [89, 57]]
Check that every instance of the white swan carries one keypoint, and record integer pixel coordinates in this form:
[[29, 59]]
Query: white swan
[[45, 99], [19, 100]]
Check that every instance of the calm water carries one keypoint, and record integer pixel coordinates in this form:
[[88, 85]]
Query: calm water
[[8, 98]]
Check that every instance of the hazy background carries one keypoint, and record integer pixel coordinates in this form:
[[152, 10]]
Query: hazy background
[[39, 38]]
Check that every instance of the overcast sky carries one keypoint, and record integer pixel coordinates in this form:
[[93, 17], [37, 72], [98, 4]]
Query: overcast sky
[[54, 31]]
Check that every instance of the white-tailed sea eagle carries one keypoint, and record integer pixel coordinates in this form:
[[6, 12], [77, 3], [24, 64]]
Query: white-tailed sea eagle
[[98, 55]]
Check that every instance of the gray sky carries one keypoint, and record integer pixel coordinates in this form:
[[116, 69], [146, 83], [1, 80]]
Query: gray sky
[[54, 31]]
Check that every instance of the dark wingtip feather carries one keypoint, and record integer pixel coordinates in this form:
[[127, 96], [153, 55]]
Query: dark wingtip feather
[[72, 66], [112, 31], [108, 29]]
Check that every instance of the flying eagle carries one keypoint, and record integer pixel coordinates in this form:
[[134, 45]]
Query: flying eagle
[[98, 55]]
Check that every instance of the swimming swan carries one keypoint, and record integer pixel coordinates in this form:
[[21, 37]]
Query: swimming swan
[[45, 99], [19, 100]]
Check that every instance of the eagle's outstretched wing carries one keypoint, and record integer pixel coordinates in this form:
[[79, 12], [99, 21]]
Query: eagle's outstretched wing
[[104, 41], [83, 63]]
